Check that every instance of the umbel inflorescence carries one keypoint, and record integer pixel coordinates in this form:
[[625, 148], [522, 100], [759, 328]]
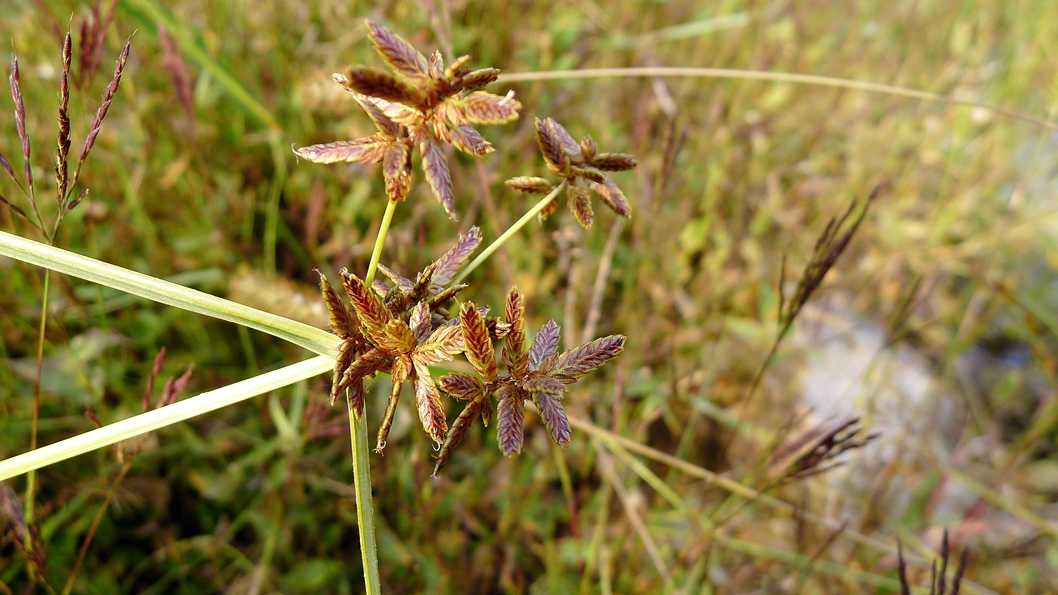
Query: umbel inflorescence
[[408, 326], [411, 328], [421, 103]]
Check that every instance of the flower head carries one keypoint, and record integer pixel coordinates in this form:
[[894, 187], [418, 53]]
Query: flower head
[[420, 103], [581, 166], [539, 374]]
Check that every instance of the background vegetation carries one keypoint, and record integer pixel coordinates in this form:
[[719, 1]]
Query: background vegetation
[[948, 288]]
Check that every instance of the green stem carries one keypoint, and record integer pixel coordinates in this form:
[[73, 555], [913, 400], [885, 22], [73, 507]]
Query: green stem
[[168, 415], [164, 292], [495, 245], [380, 240], [365, 515], [31, 479]]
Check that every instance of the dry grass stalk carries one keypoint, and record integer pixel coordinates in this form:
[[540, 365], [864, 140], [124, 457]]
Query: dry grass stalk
[[938, 580], [816, 450], [93, 35]]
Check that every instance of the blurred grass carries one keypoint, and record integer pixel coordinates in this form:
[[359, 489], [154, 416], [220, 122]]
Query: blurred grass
[[256, 499]]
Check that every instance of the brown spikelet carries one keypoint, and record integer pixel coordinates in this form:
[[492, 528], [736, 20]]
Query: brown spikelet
[[396, 169], [530, 184], [370, 149], [174, 64], [455, 70], [482, 107], [397, 338], [551, 146], [479, 78], [355, 397], [402, 367], [370, 310], [548, 209], [156, 369], [62, 152], [92, 417], [6, 165], [588, 148], [543, 384], [419, 322], [580, 205], [510, 414], [376, 83], [435, 166], [101, 113], [342, 322], [446, 296], [428, 402], [544, 345], [565, 139], [905, 586], [347, 352], [448, 265], [554, 417], [173, 387], [93, 36], [398, 54], [382, 122], [514, 358], [441, 346], [15, 82], [479, 348], [399, 280], [462, 386], [396, 112], [371, 361], [830, 245], [423, 281], [613, 162], [436, 66], [18, 210], [588, 173], [577, 362], [470, 141], [459, 430], [77, 201], [613, 197]]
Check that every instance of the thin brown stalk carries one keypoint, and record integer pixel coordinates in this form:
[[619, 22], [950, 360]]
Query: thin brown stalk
[[95, 525], [776, 77]]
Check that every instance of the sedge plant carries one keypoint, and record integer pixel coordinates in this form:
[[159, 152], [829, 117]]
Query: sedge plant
[[419, 105]]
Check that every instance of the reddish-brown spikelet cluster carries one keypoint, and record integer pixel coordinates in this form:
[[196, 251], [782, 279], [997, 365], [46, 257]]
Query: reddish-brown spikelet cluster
[[93, 35], [419, 104], [63, 182], [539, 374], [581, 167], [406, 328]]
